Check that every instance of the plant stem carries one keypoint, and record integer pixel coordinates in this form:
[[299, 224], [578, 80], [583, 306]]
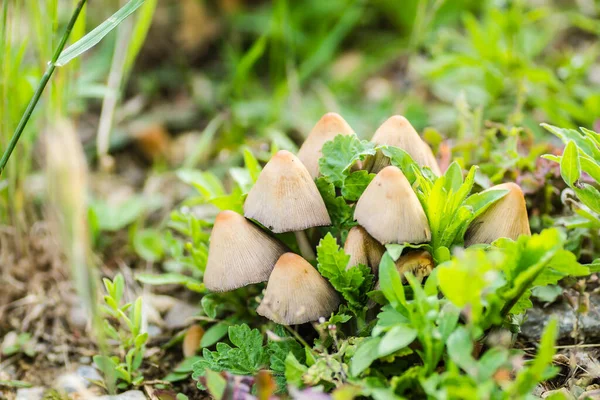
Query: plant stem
[[305, 247], [40, 89]]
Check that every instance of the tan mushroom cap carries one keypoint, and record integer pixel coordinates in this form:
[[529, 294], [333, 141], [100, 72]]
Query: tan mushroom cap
[[240, 253], [390, 211], [327, 128], [419, 263], [296, 293], [398, 132], [285, 198], [505, 218], [363, 249]]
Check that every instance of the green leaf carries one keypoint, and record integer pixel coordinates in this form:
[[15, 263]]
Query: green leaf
[[247, 356], [540, 369], [395, 339], [570, 168], [390, 281], [489, 363], [366, 353], [586, 144], [172, 279], [401, 159], [209, 305], [97, 34], [454, 177], [464, 279], [114, 217], [252, 165], [139, 34], [149, 245], [340, 154], [206, 183], [460, 348], [479, 202], [340, 212], [395, 250], [279, 350], [352, 283], [589, 195], [355, 184], [214, 334], [215, 384], [294, 370]]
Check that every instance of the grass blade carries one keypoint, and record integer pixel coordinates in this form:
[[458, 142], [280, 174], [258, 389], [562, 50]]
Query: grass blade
[[96, 35]]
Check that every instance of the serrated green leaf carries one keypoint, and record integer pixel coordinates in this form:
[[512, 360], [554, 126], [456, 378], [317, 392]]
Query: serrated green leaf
[[340, 212], [355, 184], [352, 283], [294, 370], [340, 154]]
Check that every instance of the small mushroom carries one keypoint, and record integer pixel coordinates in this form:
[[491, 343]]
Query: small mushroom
[[390, 211], [419, 263], [239, 253], [363, 249], [296, 293], [327, 128], [286, 199], [505, 218], [398, 132]]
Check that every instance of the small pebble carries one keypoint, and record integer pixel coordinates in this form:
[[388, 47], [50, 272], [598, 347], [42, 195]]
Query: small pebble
[[154, 331], [89, 374], [179, 316], [35, 393], [129, 395]]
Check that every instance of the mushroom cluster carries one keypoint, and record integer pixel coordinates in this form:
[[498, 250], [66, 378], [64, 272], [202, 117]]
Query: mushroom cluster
[[285, 198]]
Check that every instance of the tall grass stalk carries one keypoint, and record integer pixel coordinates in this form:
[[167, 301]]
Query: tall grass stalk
[[40, 88]]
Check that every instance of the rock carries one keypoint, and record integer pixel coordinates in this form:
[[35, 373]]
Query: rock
[[154, 331], [78, 316], [589, 323], [35, 393], [129, 395], [78, 381], [70, 383], [179, 315], [88, 374], [589, 394]]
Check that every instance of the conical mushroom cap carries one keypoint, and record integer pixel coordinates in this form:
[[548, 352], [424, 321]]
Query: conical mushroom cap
[[296, 293], [285, 198], [239, 253], [390, 211], [363, 249], [398, 132], [328, 127], [505, 218]]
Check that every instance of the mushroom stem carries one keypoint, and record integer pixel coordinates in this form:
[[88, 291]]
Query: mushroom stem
[[305, 248]]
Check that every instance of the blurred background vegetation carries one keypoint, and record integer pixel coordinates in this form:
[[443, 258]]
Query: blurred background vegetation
[[238, 72], [193, 83]]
